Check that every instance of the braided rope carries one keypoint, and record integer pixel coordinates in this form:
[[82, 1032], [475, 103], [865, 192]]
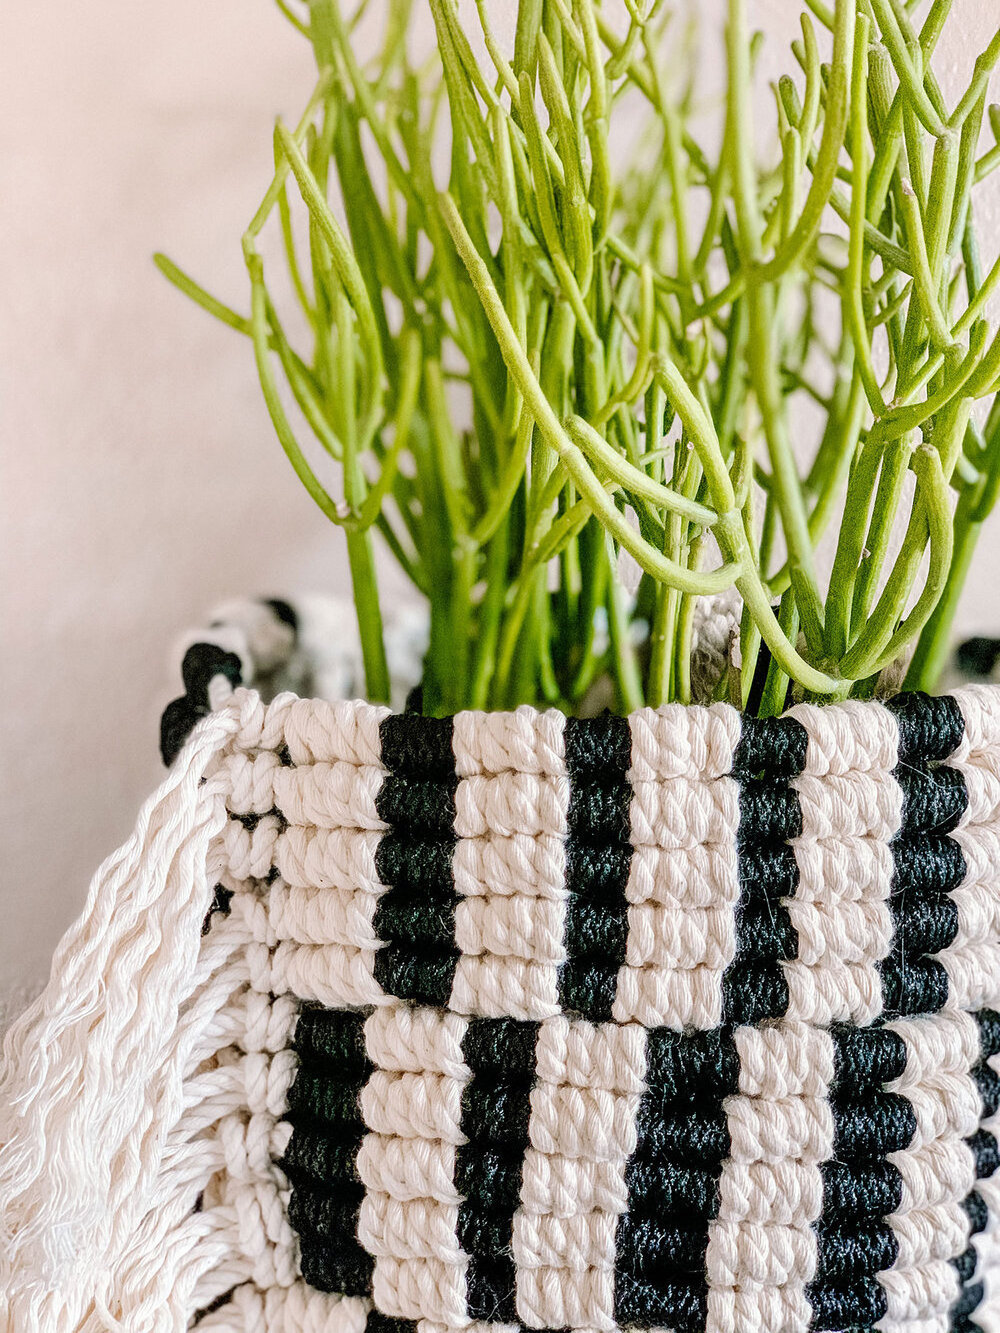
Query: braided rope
[[408, 1025]]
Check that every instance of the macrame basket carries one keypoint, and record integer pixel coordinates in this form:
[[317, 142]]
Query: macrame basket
[[384, 1023]]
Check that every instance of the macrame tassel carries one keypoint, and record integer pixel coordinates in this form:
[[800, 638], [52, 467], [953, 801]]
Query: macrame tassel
[[92, 1078]]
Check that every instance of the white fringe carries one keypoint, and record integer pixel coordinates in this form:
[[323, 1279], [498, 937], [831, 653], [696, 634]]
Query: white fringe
[[93, 1072]]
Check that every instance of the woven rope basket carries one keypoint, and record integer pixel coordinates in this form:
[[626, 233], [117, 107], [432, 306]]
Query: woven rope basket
[[387, 1024]]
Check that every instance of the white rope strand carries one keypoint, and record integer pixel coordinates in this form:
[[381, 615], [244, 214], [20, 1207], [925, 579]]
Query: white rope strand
[[90, 1079]]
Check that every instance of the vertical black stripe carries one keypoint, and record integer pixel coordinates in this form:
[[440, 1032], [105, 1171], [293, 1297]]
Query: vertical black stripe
[[415, 917], [682, 1140], [682, 1128], [861, 1188], [321, 1157], [500, 1053], [927, 863], [598, 855], [770, 753]]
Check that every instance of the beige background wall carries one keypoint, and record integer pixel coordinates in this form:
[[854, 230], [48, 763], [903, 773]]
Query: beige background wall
[[140, 481]]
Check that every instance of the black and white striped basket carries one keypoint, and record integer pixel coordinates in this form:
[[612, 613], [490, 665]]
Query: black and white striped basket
[[680, 1021]]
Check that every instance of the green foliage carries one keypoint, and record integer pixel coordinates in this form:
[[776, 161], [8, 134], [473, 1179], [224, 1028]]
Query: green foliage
[[551, 350]]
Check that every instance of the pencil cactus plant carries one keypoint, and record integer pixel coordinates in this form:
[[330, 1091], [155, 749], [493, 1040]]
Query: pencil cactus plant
[[529, 351]]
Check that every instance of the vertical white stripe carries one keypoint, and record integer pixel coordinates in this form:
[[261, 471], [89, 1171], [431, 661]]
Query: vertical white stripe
[[247, 1098], [973, 960], [762, 1247], [511, 805], [316, 731], [987, 1244], [851, 809], [412, 1106], [322, 909], [938, 1168], [582, 1132], [288, 1309], [683, 882]]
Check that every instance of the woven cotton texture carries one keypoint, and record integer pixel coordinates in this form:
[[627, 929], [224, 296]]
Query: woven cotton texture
[[682, 1021]]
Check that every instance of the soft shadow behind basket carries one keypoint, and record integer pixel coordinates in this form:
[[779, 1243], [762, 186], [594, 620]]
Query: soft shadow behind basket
[[379, 1022]]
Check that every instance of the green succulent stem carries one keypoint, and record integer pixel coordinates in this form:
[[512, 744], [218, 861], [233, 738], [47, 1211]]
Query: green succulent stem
[[517, 357]]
